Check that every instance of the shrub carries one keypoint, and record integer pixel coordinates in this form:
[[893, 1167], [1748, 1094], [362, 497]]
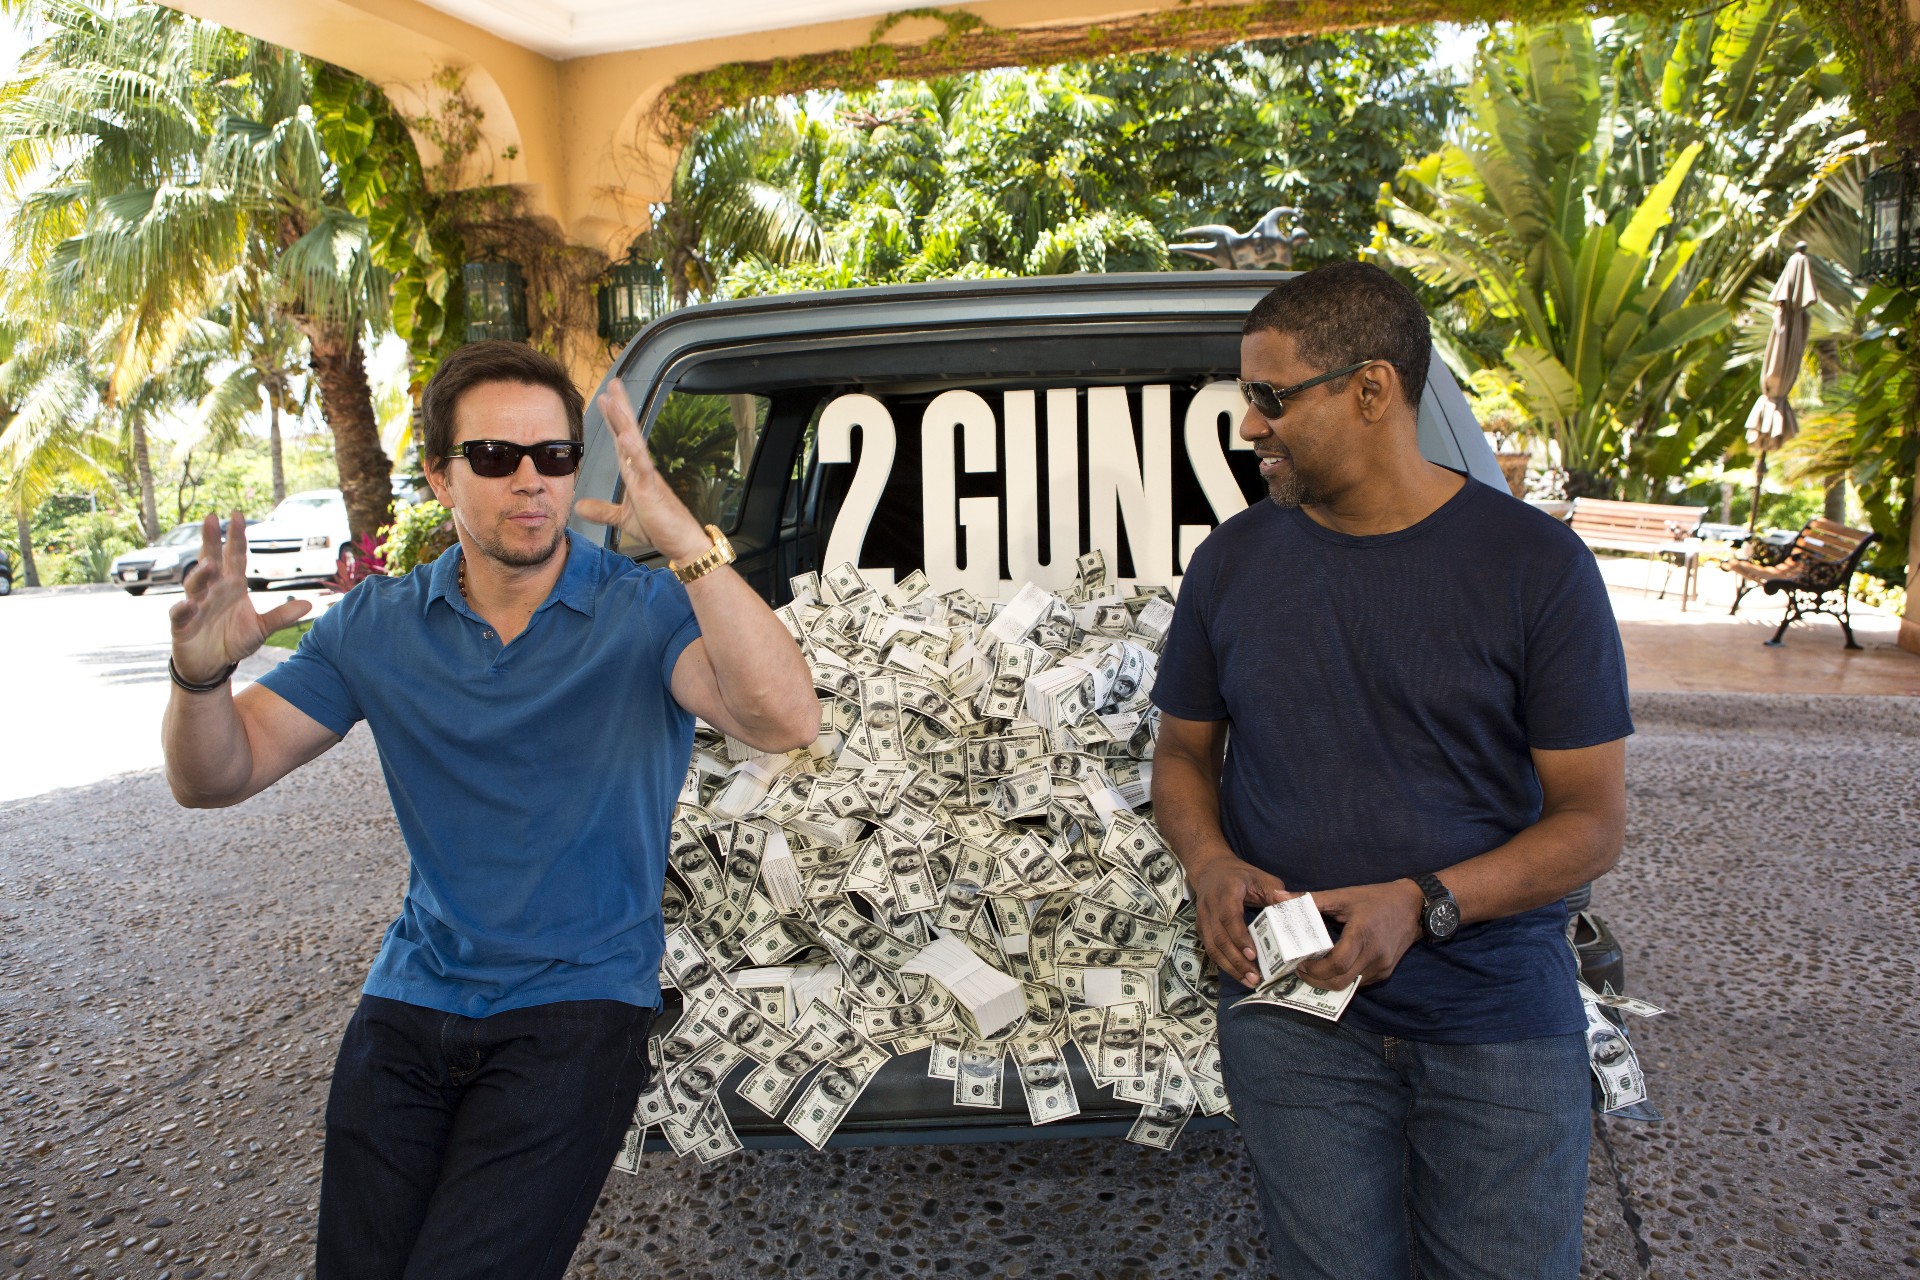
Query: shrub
[[84, 546], [417, 536]]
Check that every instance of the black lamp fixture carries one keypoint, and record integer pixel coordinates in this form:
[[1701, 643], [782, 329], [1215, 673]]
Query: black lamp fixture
[[1890, 233], [496, 300], [631, 295]]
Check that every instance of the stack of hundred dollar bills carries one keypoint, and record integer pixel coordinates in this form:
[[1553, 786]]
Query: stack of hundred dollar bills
[[962, 862]]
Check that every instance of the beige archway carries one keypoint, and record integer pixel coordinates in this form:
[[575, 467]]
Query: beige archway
[[581, 133]]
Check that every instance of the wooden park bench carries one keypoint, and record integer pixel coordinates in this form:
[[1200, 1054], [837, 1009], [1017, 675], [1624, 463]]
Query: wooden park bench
[[1644, 528], [1820, 562]]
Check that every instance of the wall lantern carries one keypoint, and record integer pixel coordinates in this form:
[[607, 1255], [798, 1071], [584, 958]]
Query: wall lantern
[[631, 296], [1890, 235], [496, 301]]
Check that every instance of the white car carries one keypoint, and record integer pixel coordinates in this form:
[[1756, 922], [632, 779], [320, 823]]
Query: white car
[[301, 539]]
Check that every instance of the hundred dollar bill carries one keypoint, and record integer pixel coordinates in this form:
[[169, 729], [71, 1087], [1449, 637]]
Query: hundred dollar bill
[[864, 936], [825, 1102], [1005, 692], [691, 968], [976, 1082], [1122, 1044], [1614, 1063], [1625, 1004], [1119, 889], [817, 1037], [1045, 1081], [1110, 926], [1290, 991], [738, 1022], [880, 716]]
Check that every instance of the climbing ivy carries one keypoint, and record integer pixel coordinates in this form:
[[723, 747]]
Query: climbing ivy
[[1880, 47], [966, 42]]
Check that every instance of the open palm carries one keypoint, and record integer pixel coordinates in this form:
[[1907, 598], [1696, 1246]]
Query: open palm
[[216, 625]]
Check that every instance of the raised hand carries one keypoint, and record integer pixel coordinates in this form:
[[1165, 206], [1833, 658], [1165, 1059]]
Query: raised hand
[[1223, 888], [216, 624], [649, 509]]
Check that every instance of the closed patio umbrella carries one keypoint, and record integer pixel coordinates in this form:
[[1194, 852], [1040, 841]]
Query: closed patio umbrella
[[1772, 423]]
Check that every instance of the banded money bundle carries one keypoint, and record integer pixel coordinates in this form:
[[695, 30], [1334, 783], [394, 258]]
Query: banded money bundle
[[960, 863]]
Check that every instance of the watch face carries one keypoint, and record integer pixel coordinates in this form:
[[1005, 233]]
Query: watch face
[[1443, 917]]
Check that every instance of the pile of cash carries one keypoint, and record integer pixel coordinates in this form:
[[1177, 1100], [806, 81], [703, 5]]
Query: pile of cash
[[961, 863]]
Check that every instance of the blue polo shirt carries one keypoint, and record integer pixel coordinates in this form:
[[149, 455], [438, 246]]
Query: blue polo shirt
[[534, 781]]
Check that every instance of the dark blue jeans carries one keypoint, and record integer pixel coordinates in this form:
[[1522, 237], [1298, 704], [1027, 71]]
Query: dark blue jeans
[[462, 1147], [1380, 1158]]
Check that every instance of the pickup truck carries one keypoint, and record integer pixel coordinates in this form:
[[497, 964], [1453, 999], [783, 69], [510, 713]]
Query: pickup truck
[[985, 433]]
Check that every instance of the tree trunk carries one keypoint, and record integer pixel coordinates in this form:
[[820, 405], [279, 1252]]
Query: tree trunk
[[143, 468], [29, 572], [1836, 507], [273, 445], [346, 400], [1827, 355]]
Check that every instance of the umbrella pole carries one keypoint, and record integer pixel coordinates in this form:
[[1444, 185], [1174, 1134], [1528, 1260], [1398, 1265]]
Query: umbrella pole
[[1759, 476]]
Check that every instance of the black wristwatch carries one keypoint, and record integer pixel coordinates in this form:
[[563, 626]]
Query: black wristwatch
[[1441, 916]]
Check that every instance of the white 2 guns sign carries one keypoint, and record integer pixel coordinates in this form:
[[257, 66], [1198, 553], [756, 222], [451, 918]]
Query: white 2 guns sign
[[1007, 487]]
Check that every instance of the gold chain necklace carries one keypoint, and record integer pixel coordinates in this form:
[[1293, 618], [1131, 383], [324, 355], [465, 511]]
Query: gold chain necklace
[[463, 578]]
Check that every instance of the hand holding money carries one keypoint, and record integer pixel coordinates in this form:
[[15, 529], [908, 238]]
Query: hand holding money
[[1378, 923], [1288, 934], [1224, 888]]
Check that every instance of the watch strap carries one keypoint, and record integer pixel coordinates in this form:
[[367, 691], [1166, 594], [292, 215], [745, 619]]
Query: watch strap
[[721, 552], [1430, 886]]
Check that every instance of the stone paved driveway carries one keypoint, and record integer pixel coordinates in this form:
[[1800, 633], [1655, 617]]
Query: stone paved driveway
[[172, 985]]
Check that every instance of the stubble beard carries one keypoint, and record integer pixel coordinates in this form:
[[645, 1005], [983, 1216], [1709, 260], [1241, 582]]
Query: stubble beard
[[496, 549], [1291, 489]]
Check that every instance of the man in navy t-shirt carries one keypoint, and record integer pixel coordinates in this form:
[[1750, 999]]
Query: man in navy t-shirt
[[532, 696], [1401, 691]]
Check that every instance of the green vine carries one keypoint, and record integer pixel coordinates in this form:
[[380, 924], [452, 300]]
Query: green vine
[[967, 43], [1880, 47]]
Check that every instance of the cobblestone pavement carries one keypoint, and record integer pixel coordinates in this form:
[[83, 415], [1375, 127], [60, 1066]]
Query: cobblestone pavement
[[172, 985]]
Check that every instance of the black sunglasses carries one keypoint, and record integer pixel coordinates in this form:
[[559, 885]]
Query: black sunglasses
[[1270, 401], [495, 459]]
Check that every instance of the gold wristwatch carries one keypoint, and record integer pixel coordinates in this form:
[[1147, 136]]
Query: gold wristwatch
[[721, 552]]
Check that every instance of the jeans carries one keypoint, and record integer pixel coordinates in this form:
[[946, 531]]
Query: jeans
[[462, 1147], [1378, 1158]]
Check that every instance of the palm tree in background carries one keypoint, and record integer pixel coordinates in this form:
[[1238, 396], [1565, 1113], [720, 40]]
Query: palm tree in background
[[49, 440], [727, 203], [180, 167]]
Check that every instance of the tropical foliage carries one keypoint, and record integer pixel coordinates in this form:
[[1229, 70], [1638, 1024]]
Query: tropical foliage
[[171, 174], [1607, 221], [1082, 167]]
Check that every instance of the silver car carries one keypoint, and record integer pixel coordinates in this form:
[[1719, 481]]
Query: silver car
[[165, 563]]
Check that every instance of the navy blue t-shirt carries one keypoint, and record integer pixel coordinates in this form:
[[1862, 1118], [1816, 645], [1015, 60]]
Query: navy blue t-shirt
[[1383, 695]]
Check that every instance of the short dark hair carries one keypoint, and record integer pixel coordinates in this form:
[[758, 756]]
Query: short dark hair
[[1345, 312], [492, 361]]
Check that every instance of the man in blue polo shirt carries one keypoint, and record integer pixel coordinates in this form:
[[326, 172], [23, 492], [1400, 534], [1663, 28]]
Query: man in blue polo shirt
[[1401, 691], [532, 696]]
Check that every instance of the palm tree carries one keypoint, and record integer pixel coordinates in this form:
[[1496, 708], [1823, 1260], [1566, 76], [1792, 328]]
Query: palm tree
[[49, 440], [180, 158], [1708, 132], [271, 353], [725, 203], [274, 161]]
